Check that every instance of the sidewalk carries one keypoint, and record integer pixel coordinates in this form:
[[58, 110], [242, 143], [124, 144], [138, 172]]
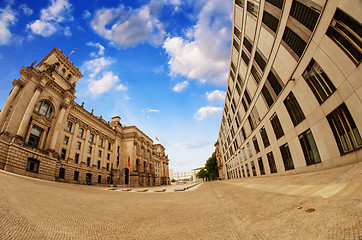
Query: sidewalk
[[159, 189]]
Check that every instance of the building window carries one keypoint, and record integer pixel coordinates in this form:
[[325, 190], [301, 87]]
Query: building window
[[99, 179], [344, 129], [91, 138], [81, 132], [107, 166], [318, 81], [309, 147], [277, 3], [109, 146], [247, 44], [245, 58], [296, 43], [76, 158], [287, 157], [304, 14], [252, 8], [62, 154], [256, 74], [89, 149], [108, 156], [79, 144], [68, 77], [32, 165], [256, 145], [101, 142], [61, 173], [247, 170], [237, 33], [346, 33], [99, 164], [253, 168], [239, 3], [66, 140], [88, 161], [254, 118], [44, 108], [76, 176], [271, 21], [69, 126], [236, 45], [294, 110], [278, 130], [261, 166], [271, 161], [249, 150], [34, 137], [259, 59], [63, 71], [264, 137], [99, 153]]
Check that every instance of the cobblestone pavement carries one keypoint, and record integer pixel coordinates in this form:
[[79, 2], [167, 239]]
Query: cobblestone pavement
[[36, 209]]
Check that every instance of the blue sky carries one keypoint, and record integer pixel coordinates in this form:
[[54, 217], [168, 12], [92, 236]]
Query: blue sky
[[160, 64]]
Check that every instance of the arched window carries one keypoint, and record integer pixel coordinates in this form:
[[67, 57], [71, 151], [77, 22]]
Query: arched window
[[56, 65], [68, 77], [44, 108], [63, 71]]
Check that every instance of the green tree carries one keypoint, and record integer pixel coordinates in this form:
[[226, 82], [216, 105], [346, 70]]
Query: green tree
[[203, 173], [211, 167]]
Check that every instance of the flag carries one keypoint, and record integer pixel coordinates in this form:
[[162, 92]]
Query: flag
[[72, 51], [157, 139], [129, 161]]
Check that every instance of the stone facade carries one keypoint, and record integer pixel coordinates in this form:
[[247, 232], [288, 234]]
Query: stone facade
[[293, 100], [46, 134], [220, 165]]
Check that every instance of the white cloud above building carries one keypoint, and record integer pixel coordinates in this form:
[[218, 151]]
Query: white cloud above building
[[179, 87], [205, 112]]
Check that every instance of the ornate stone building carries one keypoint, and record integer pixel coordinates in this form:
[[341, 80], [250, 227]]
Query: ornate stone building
[[44, 133], [293, 99], [220, 165]]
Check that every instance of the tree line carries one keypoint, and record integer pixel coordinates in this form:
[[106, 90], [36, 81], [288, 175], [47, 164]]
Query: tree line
[[210, 171]]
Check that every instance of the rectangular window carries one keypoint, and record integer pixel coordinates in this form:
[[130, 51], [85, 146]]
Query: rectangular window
[[108, 156], [277, 127], [238, 89], [271, 161], [81, 132], [259, 59], [99, 179], [250, 152], [344, 129], [346, 33], [79, 144], [99, 164], [66, 139], [242, 170], [296, 43], [277, 3], [76, 176], [88, 161], [256, 145], [247, 170], [318, 81], [61, 173], [237, 33], [91, 138], [261, 166], [267, 96], [34, 137], [32, 165], [76, 158], [239, 3], [253, 168], [245, 58], [101, 142], [294, 110], [304, 14], [109, 146], [107, 166], [256, 74], [69, 126], [275, 82], [240, 81], [264, 137], [62, 154], [99, 153], [309, 147], [89, 149], [271, 21], [287, 157], [252, 8], [247, 44], [236, 45]]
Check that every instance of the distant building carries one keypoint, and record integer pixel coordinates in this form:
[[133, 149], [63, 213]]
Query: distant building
[[183, 175], [194, 174], [45, 134], [171, 174], [220, 165], [293, 99]]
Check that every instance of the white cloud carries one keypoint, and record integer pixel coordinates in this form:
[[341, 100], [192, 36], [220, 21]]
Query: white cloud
[[51, 19], [206, 111], [97, 45], [204, 54], [7, 18], [179, 87], [216, 95], [86, 14], [127, 27], [104, 84], [26, 10], [97, 65], [152, 110], [121, 87]]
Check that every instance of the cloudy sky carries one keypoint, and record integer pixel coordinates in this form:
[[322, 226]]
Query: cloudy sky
[[160, 64]]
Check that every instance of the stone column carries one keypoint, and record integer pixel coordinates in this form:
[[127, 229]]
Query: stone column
[[26, 117], [86, 145], [58, 126], [73, 144], [17, 84]]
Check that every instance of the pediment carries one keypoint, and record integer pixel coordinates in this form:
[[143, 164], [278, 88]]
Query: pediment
[[41, 121]]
